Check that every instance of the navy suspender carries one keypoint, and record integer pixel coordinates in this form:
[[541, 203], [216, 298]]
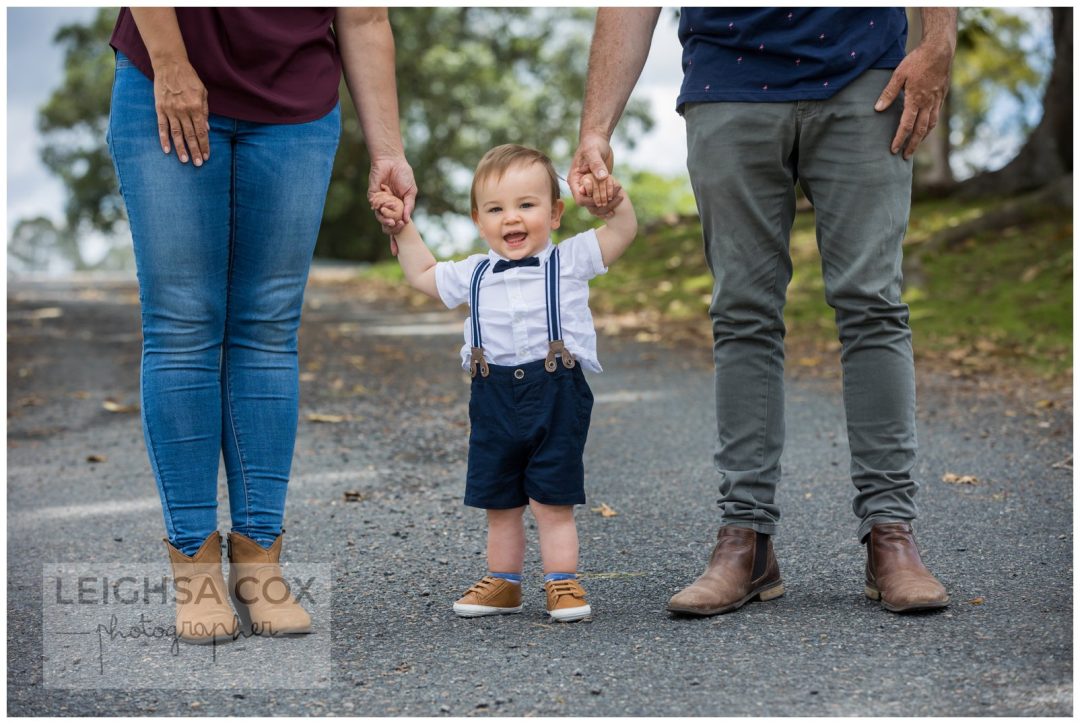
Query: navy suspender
[[474, 304], [554, 322], [555, 341]]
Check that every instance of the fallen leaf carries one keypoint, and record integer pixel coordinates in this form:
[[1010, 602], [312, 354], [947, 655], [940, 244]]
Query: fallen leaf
[[959, 479], [307, 376], [1044, 404], [1030, 273], [354, 496], [46, 313], [809, 361], [113, 406], [605, 510], [320, 417], [958, 355], [977, 601], [96, 458]]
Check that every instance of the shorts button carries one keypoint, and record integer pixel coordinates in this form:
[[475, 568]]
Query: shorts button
[[519, 374]]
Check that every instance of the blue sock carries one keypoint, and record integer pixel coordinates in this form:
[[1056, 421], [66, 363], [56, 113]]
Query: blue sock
[[559, 577], [512, 577]]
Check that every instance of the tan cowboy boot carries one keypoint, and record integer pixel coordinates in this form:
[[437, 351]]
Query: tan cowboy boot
[[742, 568], [895, 573], [203, 613], [259, 589]]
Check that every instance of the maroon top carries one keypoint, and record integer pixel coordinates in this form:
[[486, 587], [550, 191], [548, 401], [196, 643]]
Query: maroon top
[[270, 65]]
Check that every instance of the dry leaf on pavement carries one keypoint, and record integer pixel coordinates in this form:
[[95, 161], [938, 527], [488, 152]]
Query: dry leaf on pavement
[[959, 479], [605, 510], [96, 458], [321, 417], [113, 406]]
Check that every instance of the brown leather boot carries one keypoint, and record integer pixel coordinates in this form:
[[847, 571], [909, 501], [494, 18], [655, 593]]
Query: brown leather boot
[[742, 567], [203, 613], [259, 589], [895, 573]]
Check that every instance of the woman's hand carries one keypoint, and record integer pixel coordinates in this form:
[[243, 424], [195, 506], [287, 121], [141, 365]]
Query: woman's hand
[[182, 112]]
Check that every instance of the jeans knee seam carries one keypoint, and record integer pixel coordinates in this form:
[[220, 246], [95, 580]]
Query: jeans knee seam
[[226, 368], [166, 508]]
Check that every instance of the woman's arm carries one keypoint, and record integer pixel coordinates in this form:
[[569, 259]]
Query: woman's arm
[[179, 95], [366, 43]]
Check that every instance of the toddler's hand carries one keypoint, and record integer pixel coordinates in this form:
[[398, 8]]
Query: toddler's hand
[[387, 204], [601, 191]]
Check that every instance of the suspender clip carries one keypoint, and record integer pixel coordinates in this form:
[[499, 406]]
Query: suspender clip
[[478, 361], [556, 347]]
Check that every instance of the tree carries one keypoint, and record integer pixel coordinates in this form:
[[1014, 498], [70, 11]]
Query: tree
[[468, 79], [74, 122], [996, 63], [1046, 157]]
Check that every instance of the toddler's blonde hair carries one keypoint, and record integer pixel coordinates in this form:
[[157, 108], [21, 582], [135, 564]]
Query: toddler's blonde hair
[[496, 162]]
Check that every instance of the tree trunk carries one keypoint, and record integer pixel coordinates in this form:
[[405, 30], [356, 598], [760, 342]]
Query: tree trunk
[[1047, 154], [933, 174]]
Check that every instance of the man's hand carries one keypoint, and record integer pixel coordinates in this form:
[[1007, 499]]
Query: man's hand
[[397, 176], [593, 158], [923, 76]]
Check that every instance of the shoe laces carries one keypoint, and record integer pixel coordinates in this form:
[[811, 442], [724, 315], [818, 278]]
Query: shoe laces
[[483, 586], [567, 587]]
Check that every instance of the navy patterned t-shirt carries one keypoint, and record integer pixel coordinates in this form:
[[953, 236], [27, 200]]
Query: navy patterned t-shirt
[[784, 54]]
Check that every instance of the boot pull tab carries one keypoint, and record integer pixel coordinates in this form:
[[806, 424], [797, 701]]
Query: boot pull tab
[[478, 361], [556, 347]]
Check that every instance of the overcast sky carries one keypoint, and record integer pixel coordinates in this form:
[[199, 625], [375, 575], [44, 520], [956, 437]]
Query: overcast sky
[[35, 70]]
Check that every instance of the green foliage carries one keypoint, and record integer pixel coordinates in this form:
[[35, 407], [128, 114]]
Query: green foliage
[[1008, 291], [468, 79], [74, 122], [995, 56]]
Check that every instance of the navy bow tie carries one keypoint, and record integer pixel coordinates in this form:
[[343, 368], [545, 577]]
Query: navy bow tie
[[503, 264]]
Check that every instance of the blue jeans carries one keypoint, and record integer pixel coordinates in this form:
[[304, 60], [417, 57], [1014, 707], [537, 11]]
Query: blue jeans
[[222, 253]]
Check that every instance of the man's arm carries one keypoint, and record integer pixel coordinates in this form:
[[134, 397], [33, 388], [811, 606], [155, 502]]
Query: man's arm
[[924, 77], [366, 43], [620, 46]]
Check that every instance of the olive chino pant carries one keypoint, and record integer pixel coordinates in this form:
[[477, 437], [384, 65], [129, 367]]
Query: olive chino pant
[[744, 160]]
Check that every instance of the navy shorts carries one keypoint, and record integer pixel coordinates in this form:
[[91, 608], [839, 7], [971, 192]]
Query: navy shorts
[[528, 436]]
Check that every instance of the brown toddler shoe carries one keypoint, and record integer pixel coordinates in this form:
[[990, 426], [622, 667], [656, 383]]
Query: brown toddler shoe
[[489, 596], [566, 600]]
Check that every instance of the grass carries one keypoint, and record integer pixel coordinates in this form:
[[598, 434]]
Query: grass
[[1002, 298]]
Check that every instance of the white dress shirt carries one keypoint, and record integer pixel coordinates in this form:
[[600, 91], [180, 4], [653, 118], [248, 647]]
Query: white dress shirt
[[513, 306]]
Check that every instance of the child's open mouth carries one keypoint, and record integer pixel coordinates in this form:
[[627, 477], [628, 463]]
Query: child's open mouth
[[518, 237]]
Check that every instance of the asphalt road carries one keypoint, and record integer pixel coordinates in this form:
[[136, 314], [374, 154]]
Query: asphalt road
[[397, 555]]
